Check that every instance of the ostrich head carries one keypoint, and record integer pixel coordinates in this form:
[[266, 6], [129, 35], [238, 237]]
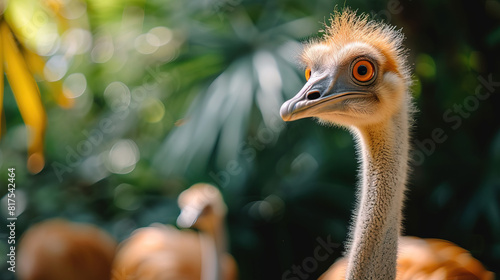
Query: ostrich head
[[356, 74], [201, 206], [357, 77]]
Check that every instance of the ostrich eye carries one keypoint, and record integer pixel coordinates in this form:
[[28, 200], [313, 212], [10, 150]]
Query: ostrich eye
[[308, 73], [363, 71]]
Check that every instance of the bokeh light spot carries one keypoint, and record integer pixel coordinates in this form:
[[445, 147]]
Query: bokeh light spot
[[163, 34], [56, 68], [425, 66], [77, 41], [21, 203], [117, 96], [36, 162], [103, 49], [123, 157], [152, 110], [74, 9], [142, 43], [74, 85], [125, 197], [47, 40]]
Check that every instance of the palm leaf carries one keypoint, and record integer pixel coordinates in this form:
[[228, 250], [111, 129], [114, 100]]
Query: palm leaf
[[217, 126]]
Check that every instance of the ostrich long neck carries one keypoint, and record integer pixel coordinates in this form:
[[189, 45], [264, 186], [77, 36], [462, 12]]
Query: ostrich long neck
[[384, 152]]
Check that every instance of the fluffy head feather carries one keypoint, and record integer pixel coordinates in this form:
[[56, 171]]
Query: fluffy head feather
[[346, 27]]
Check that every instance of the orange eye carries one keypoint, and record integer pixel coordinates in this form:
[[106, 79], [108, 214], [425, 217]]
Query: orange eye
[[308, 73], [363, 71]]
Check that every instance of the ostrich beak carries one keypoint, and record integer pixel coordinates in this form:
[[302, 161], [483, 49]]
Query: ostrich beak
[[188, 216], [319, 96]]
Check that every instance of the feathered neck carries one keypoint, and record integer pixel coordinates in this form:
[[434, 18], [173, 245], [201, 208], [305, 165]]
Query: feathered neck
[[383, 151]]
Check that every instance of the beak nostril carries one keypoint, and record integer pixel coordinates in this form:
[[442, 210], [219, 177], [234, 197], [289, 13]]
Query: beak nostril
[[313, 95]]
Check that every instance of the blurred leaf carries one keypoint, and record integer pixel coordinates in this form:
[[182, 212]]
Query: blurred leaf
[[27, 96], [219, 116]]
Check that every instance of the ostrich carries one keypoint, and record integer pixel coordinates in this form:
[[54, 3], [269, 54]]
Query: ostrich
[[358, 78], [164, 252], [57, 249]]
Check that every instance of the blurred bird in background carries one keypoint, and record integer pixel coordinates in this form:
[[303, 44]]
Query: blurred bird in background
[[58, 249], [61, 250], [164, 252]]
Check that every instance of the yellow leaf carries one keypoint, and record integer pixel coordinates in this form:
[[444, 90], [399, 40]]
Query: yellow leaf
[[57, 7], [27, 96], [36, 65], [35, 62], [1, 84], [56, 88]]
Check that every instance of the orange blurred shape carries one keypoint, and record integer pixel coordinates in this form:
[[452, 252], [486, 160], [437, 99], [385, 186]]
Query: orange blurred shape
[[61, 250], [36, 162], [426, 259], [160, 252]]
